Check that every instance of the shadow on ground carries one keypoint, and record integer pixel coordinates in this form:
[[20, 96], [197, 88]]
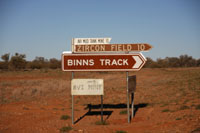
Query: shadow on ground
[[108, 106]]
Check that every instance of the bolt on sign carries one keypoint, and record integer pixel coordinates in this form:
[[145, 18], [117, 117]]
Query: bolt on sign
[[94, 48], [87, 87], [102, 62]]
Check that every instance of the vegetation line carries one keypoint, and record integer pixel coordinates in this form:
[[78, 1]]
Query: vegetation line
[[18, 61]]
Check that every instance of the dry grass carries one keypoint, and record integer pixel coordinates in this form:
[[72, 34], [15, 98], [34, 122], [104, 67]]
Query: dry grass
[[173, 87]]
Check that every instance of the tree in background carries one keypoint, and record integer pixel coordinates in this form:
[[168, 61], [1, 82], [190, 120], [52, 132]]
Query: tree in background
[[5, 58], [54, 63], [198, 62], [149, 62], [17, 62], [182, 61], [172, 62], [38, 63], [187, 61], [160, 63]]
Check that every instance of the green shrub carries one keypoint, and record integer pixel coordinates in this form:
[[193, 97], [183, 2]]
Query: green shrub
[[184, 107], [178, 118], [165, 110], [123, 112], [198, 107], [121, 131], [64, 117], [65, 129], [101, 123]]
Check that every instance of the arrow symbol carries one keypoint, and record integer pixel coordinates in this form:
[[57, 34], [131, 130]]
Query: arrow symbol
[[138, 62]]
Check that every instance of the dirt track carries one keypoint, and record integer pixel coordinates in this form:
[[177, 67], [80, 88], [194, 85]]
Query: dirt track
[[166, 100]]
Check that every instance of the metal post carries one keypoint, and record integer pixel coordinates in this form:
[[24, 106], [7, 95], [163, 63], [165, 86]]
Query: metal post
[[132, 104], [72, 103], [128, 113], [102, 108]]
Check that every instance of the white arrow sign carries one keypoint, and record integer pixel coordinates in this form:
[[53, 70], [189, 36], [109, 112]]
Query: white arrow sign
[[138, 62]]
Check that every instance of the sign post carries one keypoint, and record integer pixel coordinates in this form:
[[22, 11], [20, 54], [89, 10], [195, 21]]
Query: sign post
[[72, 102], [101, 108], [96, 54], [132, 105], [103, 62]]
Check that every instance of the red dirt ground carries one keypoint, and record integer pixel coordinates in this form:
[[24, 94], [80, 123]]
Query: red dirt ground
[[166, 100]]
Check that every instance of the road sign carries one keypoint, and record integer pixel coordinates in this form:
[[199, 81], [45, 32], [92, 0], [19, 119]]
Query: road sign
[[94, 48], [102, 62], [87, 87], [81, 41]]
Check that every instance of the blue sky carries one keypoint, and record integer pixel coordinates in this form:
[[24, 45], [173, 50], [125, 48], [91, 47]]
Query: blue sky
[[45, 27]]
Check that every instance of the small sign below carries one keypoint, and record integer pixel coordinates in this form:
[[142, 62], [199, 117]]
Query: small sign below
[[87, 87], [131, 83]]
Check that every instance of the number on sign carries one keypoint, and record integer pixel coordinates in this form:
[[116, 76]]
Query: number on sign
[[141, 47]]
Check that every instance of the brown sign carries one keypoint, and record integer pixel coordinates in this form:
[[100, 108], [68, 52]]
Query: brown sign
[[102, 62], [131, 83], [83, 48]]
